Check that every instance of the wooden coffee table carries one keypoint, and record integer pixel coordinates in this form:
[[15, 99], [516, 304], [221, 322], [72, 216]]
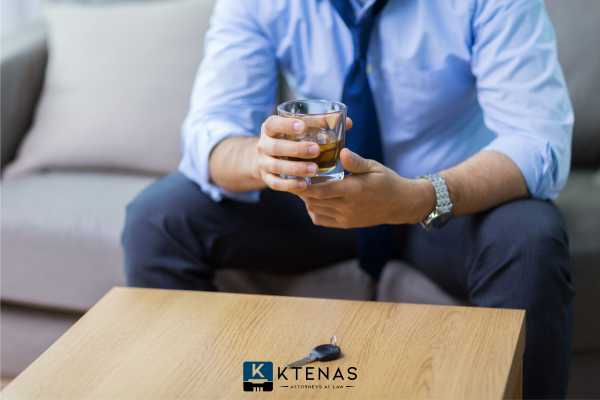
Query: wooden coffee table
[[163, 344]]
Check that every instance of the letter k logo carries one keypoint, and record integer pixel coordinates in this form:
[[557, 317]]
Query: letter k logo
[[256, 370], [258, 376]]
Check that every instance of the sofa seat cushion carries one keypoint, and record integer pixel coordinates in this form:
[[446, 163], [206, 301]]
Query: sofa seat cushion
[[344, 280], [60, 236]]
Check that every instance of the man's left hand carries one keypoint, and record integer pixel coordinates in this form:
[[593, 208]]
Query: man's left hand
[[372, 195]]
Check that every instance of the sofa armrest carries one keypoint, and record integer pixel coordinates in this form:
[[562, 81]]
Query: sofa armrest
[[22, 67]]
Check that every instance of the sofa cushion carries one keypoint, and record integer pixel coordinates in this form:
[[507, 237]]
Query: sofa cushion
[[577, 31], [116, 91], [60, 236], [344, 280], [402, 283]]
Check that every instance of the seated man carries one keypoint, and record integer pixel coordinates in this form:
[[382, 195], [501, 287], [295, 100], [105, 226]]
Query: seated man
[[468, 94]]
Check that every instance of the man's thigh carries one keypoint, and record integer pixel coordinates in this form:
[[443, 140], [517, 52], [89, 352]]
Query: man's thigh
[[277, 235], [468, 248], [274, 234], [441, 254]]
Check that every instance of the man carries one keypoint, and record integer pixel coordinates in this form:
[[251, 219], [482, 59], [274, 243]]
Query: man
[[467, 93]]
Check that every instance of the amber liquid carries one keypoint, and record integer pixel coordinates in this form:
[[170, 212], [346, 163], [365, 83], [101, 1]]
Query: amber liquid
[[326, 159]]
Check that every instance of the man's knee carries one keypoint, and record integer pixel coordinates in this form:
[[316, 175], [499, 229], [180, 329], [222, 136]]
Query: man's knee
[[163, 204], [157, 218], [140, 236], [141, 213]]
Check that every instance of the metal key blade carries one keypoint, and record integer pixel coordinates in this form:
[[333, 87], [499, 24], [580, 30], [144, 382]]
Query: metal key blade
[[302, 362]]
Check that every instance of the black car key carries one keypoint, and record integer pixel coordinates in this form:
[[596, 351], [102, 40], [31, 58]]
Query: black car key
[[323, 352]]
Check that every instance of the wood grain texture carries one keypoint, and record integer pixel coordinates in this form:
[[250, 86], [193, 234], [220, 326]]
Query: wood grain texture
[[161, 344]]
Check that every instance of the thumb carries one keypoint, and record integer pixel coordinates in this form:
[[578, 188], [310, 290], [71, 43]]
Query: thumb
[[354, 163]]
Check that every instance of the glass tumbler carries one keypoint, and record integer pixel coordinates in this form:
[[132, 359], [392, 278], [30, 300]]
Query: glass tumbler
[[325, 123]]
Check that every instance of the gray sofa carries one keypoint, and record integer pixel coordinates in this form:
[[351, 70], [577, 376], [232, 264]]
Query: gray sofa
[[60, 228]]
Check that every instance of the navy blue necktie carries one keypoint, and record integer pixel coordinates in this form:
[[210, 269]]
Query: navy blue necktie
[[374, 243]]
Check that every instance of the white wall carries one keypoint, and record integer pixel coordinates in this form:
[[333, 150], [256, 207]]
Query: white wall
[[14, 13]]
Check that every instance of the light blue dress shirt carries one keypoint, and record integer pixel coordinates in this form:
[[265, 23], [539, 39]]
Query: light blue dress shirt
[[450, 78]]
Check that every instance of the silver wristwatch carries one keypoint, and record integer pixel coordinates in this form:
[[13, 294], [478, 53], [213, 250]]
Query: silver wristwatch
[[443, 205]]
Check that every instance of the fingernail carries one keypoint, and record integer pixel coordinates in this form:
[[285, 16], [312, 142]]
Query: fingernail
[[313, 149], [312, 169], [298, 125]]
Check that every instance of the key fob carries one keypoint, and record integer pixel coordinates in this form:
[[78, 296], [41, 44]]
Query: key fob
[[327, 352]]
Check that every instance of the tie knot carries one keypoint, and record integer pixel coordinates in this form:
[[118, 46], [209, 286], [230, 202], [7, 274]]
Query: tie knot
[[360, 28]]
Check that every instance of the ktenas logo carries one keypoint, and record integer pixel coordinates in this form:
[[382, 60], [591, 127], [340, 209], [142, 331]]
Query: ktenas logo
[[258, 376]]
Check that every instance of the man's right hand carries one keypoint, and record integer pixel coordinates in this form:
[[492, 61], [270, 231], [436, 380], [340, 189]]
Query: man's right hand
[[272, 146], [242, 163]]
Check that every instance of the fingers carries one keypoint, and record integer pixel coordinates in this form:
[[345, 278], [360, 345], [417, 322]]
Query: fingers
[[322, 210], [284, 185], [322, 215], [333, 206], [333, 217], [329, 190], [354, 163], [323, 220], [277, 143], [284, 167], [280, 127], [287, 148]]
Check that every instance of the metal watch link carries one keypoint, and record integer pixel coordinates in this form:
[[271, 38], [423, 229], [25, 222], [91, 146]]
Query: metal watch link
[[443, 205]]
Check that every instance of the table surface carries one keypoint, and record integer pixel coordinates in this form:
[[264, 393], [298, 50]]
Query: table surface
[[163, 344]]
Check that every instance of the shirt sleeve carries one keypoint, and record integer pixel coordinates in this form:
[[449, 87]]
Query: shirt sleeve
[[234, 91], [522, 91]]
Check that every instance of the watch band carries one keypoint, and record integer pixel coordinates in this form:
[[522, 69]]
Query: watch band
[[443, 205]]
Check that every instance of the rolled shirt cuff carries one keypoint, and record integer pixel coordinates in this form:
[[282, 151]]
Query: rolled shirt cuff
[[535, 159], [198, 146]]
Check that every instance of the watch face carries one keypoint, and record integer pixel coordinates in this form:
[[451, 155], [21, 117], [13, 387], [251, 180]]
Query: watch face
[[441, 220]]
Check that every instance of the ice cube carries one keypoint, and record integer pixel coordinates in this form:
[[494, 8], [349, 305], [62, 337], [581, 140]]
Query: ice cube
[[322, 138]]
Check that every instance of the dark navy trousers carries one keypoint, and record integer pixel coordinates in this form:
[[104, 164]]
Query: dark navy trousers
[[513, 256]]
